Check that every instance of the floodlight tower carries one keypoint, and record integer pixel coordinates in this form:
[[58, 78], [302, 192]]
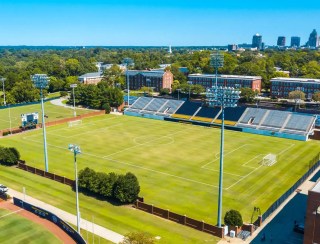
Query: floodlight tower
[[74, 100], [128, 62], [4, 93], [216, 61], [76, 150], [222, 97], [41, 82]]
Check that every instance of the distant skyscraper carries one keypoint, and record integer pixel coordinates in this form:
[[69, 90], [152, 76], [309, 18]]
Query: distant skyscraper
[[232, 47], [295, 41], [313, 39], [170, 50], [257, 41], [281, 41]]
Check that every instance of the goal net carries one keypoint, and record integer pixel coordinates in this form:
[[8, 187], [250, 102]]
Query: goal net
[[74, 123], [269, 159]]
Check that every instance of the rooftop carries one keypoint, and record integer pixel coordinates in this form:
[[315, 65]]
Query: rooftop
[[226, 76], [286, 79], [91, 75]]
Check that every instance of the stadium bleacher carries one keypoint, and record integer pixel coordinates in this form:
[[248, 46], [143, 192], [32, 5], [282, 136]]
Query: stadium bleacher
[[141, 102], [253, 116], [206, 114], [275, 119], [187, 110], [231, 115]]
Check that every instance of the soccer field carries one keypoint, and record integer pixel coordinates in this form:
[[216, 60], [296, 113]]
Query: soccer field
[[52, 111], [177, 164]]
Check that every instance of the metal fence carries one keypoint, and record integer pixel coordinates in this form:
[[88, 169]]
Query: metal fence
[[313, 165]]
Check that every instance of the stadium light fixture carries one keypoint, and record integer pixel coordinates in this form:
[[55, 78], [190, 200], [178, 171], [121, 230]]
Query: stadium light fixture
[[222, 97], [41, 81], [74, 99], [76, 150], [128, 62]]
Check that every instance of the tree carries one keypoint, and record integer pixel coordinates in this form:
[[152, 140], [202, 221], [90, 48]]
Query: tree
[[316, 96], [138, 238], [9, 156], [85, 177], [113, 76], [126, 188], [233, 218], [247, 95], [297, 95]]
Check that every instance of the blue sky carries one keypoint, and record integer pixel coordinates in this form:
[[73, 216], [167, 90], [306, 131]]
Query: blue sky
[[142, 22]]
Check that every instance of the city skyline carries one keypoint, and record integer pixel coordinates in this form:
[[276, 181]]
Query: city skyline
[[152, 23]]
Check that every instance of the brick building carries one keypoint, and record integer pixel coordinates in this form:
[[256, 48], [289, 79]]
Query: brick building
[[282, 86], [236, 81], [157, 79], [312, 221]]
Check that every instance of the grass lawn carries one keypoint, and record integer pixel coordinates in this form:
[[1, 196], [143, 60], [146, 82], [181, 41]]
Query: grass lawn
[[177, 166], [54, 113], [17, 229]]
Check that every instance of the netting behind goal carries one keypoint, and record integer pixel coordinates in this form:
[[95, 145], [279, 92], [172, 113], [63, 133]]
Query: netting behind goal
[[74, 123], [269, 159]]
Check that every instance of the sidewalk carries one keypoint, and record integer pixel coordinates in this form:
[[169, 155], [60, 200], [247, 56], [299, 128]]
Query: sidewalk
[[70, 218], [305, 187]]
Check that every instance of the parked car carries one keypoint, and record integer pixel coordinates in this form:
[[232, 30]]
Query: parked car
[[299, 228], [3, 189]]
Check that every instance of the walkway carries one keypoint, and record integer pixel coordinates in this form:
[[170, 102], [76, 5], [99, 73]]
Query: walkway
[[70, 218], [284, 217]]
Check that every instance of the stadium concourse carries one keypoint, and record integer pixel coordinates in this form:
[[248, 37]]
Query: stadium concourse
[[267, 122]]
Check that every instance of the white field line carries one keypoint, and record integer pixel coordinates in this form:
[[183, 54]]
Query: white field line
[[245, 164], [286, 149], [141, 144], [243, 177], [10, 213], [224, 172], [226, 154], [135, 166]]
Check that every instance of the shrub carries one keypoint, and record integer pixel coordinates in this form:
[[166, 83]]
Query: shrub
[[85, 177], [106, 107], [138, 238], [9, 156], [233, 218], [63, 93]]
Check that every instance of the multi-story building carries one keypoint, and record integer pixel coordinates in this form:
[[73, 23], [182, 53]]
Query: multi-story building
[[281, 41], [313, 39], [295, 41], [236, 81], [257, 41], [157, 79], [282, 86], [232, 47], [91, 78]]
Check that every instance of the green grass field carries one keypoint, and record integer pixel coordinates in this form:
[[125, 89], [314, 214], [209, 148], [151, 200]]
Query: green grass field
[[17, 229], [54, 113], [177, 166]]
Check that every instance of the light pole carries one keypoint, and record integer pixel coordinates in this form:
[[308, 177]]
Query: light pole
[[216, 61], [74, 100], [189, 83], [178, 93], [41, 81], [76, 150], [222, 97], [128, 62]]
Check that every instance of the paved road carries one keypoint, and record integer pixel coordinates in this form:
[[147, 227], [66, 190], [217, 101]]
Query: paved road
[[70, 218]]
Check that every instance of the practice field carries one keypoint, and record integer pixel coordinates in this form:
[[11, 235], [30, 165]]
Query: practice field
[[177, 164], [17, 229], [52, 111]]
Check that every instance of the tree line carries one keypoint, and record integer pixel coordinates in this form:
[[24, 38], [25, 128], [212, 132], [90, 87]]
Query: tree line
[[122, 188], [65, 65]]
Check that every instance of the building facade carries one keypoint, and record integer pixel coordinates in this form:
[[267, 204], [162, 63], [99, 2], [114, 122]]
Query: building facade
[[236, 81], [312, 220], [91, 78], [282, 86], [281, 41], [158, 79], [295, 41], [257, 41]]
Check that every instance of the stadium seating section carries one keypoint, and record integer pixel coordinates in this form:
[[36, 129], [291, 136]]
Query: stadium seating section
[[272, 121]]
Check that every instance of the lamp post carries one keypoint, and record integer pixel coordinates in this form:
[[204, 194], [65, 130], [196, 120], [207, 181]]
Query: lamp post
[[128, 62], [41, 81], [74, 100], [76, 150], [222, 97]]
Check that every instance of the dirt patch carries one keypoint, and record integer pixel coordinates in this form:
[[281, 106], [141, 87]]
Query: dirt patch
[[59, 233]]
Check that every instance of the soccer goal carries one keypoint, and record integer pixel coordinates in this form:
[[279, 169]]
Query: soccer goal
[[74, 123], [269, 160]]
